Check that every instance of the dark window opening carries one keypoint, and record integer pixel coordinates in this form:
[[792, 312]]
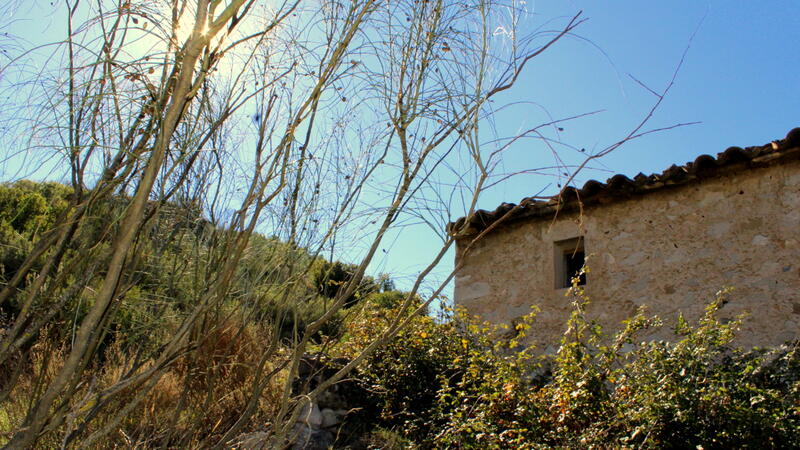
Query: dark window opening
[[569, 260], [573, 263]]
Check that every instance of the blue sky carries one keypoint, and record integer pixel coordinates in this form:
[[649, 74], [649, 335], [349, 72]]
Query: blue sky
[[740, 80]]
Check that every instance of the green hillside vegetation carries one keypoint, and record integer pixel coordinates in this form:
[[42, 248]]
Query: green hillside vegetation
[[445, 382], [276, 291], [170, 261]]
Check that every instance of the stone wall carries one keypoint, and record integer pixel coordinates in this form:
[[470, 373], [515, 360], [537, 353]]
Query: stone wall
[[671, 249]]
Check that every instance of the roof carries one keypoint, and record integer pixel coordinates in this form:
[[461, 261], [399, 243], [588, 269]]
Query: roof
[[620, 187]]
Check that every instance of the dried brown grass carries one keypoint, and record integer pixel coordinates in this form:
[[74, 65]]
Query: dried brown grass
[[193, 402]]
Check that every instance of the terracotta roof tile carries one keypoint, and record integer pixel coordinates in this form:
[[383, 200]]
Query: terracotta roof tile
[[620, 187]]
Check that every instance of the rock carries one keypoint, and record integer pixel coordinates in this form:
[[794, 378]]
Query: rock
[[333, 398], [307, 438], [311, 415], [253, 441], [330, 418]]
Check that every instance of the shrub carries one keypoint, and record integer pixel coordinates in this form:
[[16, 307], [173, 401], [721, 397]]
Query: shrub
[[330, 277], [701, 392], [26, 210], [427, 379], [456, 384], [14, 248]]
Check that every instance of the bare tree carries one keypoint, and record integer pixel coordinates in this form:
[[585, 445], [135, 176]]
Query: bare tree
[[325, 124]]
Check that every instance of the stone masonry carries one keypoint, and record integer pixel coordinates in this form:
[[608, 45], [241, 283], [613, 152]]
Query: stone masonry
[[668, 241]]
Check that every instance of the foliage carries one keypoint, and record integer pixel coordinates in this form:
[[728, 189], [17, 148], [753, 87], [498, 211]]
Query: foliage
[[27, 209], [169, 263], [143, 307], [14, 248], [456, 384], [164, 283], [31, 208], [449, 381], [437, 371], [702, 392], [213, 379], [330, 277]]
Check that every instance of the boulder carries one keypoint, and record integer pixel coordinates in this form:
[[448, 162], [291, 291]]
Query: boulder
[[330, 418], [311, 415], [307, 438]]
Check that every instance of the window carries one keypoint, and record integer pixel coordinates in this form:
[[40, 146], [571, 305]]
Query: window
[[569, 260]]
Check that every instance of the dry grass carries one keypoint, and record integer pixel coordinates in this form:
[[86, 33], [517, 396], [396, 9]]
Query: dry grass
[[191, 404]]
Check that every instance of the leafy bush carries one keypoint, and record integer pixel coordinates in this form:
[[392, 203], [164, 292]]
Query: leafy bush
[[457, 384], [330, 277], [26, 210], [14, 248], [30, 207], [430, 375], [701, 391], [167, 272]]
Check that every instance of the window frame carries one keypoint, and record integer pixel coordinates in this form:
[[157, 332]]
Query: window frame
[[562, 251]]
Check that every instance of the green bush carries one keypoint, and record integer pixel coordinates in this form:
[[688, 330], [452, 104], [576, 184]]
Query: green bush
[[457, 384], [167, 271], [702, 392], [14, 248], [31, 208], [27, 209], [426, 381], [330, 277]]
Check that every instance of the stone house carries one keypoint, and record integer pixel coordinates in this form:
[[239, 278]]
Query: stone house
[[669, 241]]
